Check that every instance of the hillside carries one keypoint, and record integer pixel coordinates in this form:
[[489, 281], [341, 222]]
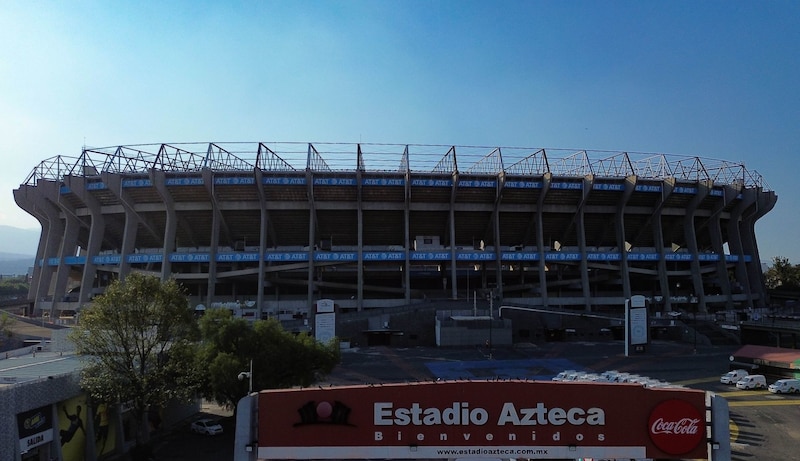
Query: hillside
[[17, 249]]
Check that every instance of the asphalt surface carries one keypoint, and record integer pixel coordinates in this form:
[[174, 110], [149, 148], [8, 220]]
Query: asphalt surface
[[763, 426]]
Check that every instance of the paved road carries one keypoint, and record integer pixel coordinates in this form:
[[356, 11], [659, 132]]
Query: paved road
[[763, 426]]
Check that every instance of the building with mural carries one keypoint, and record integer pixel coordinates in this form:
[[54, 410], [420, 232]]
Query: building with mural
[[48, 416]]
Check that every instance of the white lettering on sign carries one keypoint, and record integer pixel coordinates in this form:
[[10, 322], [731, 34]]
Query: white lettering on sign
[[541, 415], [683, 426], [458, 415]]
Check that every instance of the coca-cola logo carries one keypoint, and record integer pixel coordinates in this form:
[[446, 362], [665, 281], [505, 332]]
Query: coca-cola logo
[[676, 426]]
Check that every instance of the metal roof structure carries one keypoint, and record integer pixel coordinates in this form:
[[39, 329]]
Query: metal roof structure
[[389, 158]]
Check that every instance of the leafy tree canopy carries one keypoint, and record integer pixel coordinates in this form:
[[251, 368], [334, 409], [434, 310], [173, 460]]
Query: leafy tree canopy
[[139, 341], [782, 275], [5, 327], [280, 358], [14, 286]]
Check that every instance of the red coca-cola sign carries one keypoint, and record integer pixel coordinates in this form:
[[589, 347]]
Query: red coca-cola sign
[[676, 426]]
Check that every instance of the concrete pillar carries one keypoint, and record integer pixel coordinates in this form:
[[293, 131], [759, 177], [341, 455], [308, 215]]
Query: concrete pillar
[[690, 235], [158, 179], [667, 186], [97, 231], [547, 178]]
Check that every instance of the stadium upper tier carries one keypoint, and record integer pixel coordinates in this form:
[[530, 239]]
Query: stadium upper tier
[[391, 158], [377, 225]]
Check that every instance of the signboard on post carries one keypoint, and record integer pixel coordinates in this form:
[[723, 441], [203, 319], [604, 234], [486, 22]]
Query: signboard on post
[[325, 321], [636, 329]]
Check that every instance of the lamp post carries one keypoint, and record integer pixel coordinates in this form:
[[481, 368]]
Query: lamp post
[[491, 321], [694, 318], [249, 376]]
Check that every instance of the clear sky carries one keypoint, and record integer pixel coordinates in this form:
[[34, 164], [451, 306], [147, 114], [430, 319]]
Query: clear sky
[[717, 79]]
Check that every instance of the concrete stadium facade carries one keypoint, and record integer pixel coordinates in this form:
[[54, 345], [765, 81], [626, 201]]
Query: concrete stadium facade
[[274, 227]]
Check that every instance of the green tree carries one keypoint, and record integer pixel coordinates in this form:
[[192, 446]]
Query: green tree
[[14, 286], [782, 275], [138, 339], [6, 332], [280, 358]]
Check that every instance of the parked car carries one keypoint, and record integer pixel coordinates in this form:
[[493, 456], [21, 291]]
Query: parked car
[[627, 378], [206, 426], [608, 376], [733, 376], [752, 382], [563, 374], [785, 386]]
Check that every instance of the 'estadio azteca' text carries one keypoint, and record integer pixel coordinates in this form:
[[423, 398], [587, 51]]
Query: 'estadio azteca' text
[[460, 414]]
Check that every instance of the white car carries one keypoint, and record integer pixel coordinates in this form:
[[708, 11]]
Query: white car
[[206, 426], [752, 382], [785, 386], [561, 376], [732, 377]]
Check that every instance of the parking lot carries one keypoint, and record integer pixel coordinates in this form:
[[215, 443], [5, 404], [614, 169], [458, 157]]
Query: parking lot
[[763, 425]]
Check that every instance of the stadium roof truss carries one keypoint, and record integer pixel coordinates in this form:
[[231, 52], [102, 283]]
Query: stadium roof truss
[[391, 159]]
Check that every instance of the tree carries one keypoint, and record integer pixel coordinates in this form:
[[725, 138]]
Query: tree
[[280, 358], [14, 286], [138, 339], [782, 275], [6, 332]]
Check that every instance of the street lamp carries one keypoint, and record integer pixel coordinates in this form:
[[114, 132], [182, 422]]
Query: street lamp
[[694, 318], [249, 376]]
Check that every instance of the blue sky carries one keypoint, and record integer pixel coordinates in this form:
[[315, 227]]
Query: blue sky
[[718, 79]]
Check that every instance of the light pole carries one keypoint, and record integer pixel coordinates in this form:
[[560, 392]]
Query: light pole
[[491, 321], [694, 315], [249, 376]]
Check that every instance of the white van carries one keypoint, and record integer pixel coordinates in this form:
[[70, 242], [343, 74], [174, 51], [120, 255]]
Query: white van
[[752, 382], [561, 376], [608, 376], [785, 386], [733, 376]]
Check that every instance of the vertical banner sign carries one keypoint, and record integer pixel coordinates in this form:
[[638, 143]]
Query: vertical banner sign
[[325, 321], [638, 320], [35, 427]]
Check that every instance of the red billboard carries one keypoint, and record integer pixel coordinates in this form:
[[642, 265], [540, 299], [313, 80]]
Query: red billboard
[[482, 419]]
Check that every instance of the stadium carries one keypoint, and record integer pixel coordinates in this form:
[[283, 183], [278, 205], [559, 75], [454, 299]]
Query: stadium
[[268, 229]]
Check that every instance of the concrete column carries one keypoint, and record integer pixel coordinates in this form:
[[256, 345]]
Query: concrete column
[[25, 199], [262, 238], [407, 237], [715, 232], [498, 253], [34, 200], [747, 199], [216, 224], [765, 201], [69, 240], [452, 230], [619, 222], [580, 228], [667, 186], [97, 231], [690, 235], [158, 179], [547, 178], [312, 225], [132, 220], [360, 224]]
